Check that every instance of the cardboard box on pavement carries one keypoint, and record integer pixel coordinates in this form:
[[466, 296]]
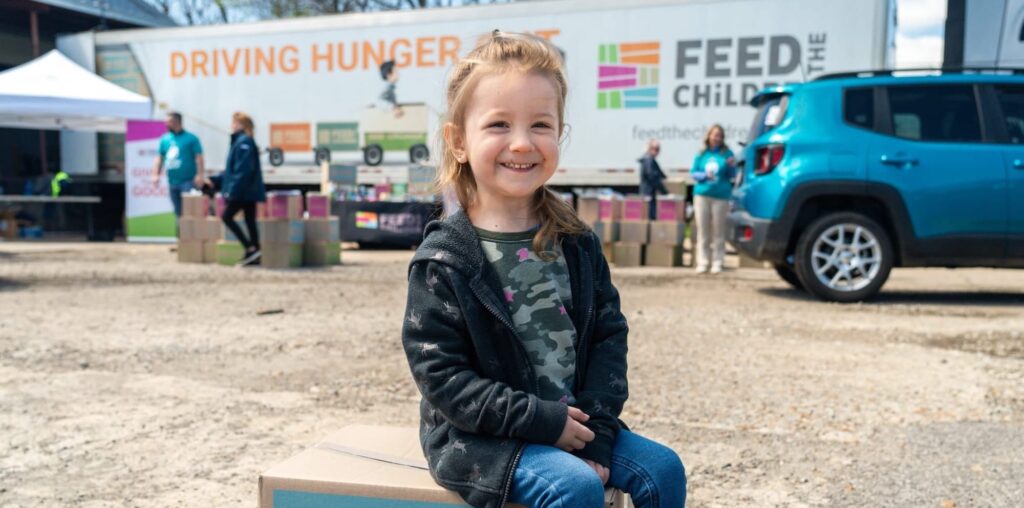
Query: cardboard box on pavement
[[209, 251], [195, 205], [667, 233], [190, 251], [607, 232], [318, 205], [609, 252], [364, 466], [321, 253], [284, 205], [282, 231], [664, 255], [191, 228], [671, 208], [628, 254], [634, 231], [609, 209], [281, 255], [322, 230]]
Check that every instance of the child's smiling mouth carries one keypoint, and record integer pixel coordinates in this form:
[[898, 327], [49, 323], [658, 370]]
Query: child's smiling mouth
[[519, 167]]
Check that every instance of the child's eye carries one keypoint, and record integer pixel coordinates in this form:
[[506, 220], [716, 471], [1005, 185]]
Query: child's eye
[[498, 124], [541, 125]]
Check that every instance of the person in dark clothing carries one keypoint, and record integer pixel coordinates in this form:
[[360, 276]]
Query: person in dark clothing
[[652, 179], [513, 329], [242, 186]]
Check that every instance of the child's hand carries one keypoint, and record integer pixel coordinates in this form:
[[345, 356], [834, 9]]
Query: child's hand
[[602, 472], [575, 435]]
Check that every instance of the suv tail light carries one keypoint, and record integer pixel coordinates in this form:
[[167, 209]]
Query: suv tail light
[[767, 157]]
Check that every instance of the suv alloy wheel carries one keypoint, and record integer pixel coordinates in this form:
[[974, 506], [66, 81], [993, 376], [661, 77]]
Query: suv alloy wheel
[[843, 257]]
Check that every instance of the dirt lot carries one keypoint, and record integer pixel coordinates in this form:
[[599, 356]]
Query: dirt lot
[[127, 379]]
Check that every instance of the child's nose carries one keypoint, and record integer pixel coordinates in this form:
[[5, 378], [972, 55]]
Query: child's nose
[[520, 142]]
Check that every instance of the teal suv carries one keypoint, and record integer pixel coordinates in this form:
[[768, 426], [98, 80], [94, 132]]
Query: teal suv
[[850, 175]]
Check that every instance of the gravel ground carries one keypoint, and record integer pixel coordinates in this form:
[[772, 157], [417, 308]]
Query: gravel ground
[[127, 379]]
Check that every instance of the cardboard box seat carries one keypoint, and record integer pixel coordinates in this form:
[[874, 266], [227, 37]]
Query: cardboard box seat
[[363, 466]]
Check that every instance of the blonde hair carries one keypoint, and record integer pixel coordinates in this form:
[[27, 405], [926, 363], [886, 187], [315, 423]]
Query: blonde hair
[[504, 52], [707, 137], [246, 122]]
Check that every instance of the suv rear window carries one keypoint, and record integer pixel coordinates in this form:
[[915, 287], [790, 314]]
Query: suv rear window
[[859, 107], [934, 113], [769, 115], [1011, 99]]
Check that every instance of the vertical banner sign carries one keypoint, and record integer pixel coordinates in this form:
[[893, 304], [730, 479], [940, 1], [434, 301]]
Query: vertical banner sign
[[150, 214]]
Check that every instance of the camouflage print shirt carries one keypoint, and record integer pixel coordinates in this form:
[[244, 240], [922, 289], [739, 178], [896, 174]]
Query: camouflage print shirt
[[539, 297]]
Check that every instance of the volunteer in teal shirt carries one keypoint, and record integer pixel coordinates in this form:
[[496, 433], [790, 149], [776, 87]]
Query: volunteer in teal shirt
[[713, 170], [181, 155]]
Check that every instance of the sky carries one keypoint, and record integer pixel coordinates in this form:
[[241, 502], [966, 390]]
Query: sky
[[919, 30]]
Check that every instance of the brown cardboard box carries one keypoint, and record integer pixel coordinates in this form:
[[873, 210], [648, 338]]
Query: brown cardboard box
[[588, 210], [195, 205], [190, 251], [664, 255], [363, 465], [281, 255], [634, 231], [191, 228], [210, 231], [667, 233], [607, 232], [282, 231], [628, 254], [321, 253], [209, 251], [229, 253], [636, 208], [322, 230], [608, 251], [609, 209], [671, 208]]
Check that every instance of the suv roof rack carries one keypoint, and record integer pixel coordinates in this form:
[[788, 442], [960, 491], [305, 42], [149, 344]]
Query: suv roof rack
[[939, 70]]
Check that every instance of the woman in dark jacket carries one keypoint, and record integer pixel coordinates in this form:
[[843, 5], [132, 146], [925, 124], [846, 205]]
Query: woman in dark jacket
[[242, 186]]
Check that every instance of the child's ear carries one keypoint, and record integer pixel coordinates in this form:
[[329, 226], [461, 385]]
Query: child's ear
[[455, 141]]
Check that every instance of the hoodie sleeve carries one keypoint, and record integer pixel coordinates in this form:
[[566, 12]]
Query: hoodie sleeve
[[441, 354], [697, 170], [604, 390]]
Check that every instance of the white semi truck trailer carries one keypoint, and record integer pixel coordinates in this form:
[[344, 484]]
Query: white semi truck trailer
[[643, 69]]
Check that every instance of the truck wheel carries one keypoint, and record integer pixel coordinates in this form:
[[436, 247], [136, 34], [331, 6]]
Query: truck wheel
[[321, 154], [276, 157], [373, 155], [788, 274], [843, 257], [418, 154]]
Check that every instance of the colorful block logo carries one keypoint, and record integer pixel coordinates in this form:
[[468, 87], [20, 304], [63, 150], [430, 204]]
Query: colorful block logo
[[628, 75], [366, 220]]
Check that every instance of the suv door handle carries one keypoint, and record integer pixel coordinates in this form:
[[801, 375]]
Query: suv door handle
[[898, 161]]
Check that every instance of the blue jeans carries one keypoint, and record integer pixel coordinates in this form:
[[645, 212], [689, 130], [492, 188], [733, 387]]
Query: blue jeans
[[650, 473], [175, 191]]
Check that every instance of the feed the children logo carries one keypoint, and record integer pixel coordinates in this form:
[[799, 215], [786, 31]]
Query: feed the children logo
[[627, 75]]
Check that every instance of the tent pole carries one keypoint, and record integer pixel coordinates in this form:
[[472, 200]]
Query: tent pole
[[33, 19]]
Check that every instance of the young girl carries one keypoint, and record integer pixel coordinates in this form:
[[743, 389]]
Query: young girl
[[713, 170], [512, 328]]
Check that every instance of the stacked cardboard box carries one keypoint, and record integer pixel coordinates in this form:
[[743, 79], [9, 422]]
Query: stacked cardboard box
[[607, 225], [322, 243], [282, 242], [194, 230], [634, 231], [665, 247], [284, 205]]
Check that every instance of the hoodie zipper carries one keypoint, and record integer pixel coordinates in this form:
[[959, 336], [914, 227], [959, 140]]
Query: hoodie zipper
[[511, 471]]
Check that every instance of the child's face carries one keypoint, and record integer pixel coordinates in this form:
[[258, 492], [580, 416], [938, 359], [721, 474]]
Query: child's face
[[511, 134]]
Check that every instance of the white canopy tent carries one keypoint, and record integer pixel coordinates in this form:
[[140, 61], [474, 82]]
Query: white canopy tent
[[54, 93]]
